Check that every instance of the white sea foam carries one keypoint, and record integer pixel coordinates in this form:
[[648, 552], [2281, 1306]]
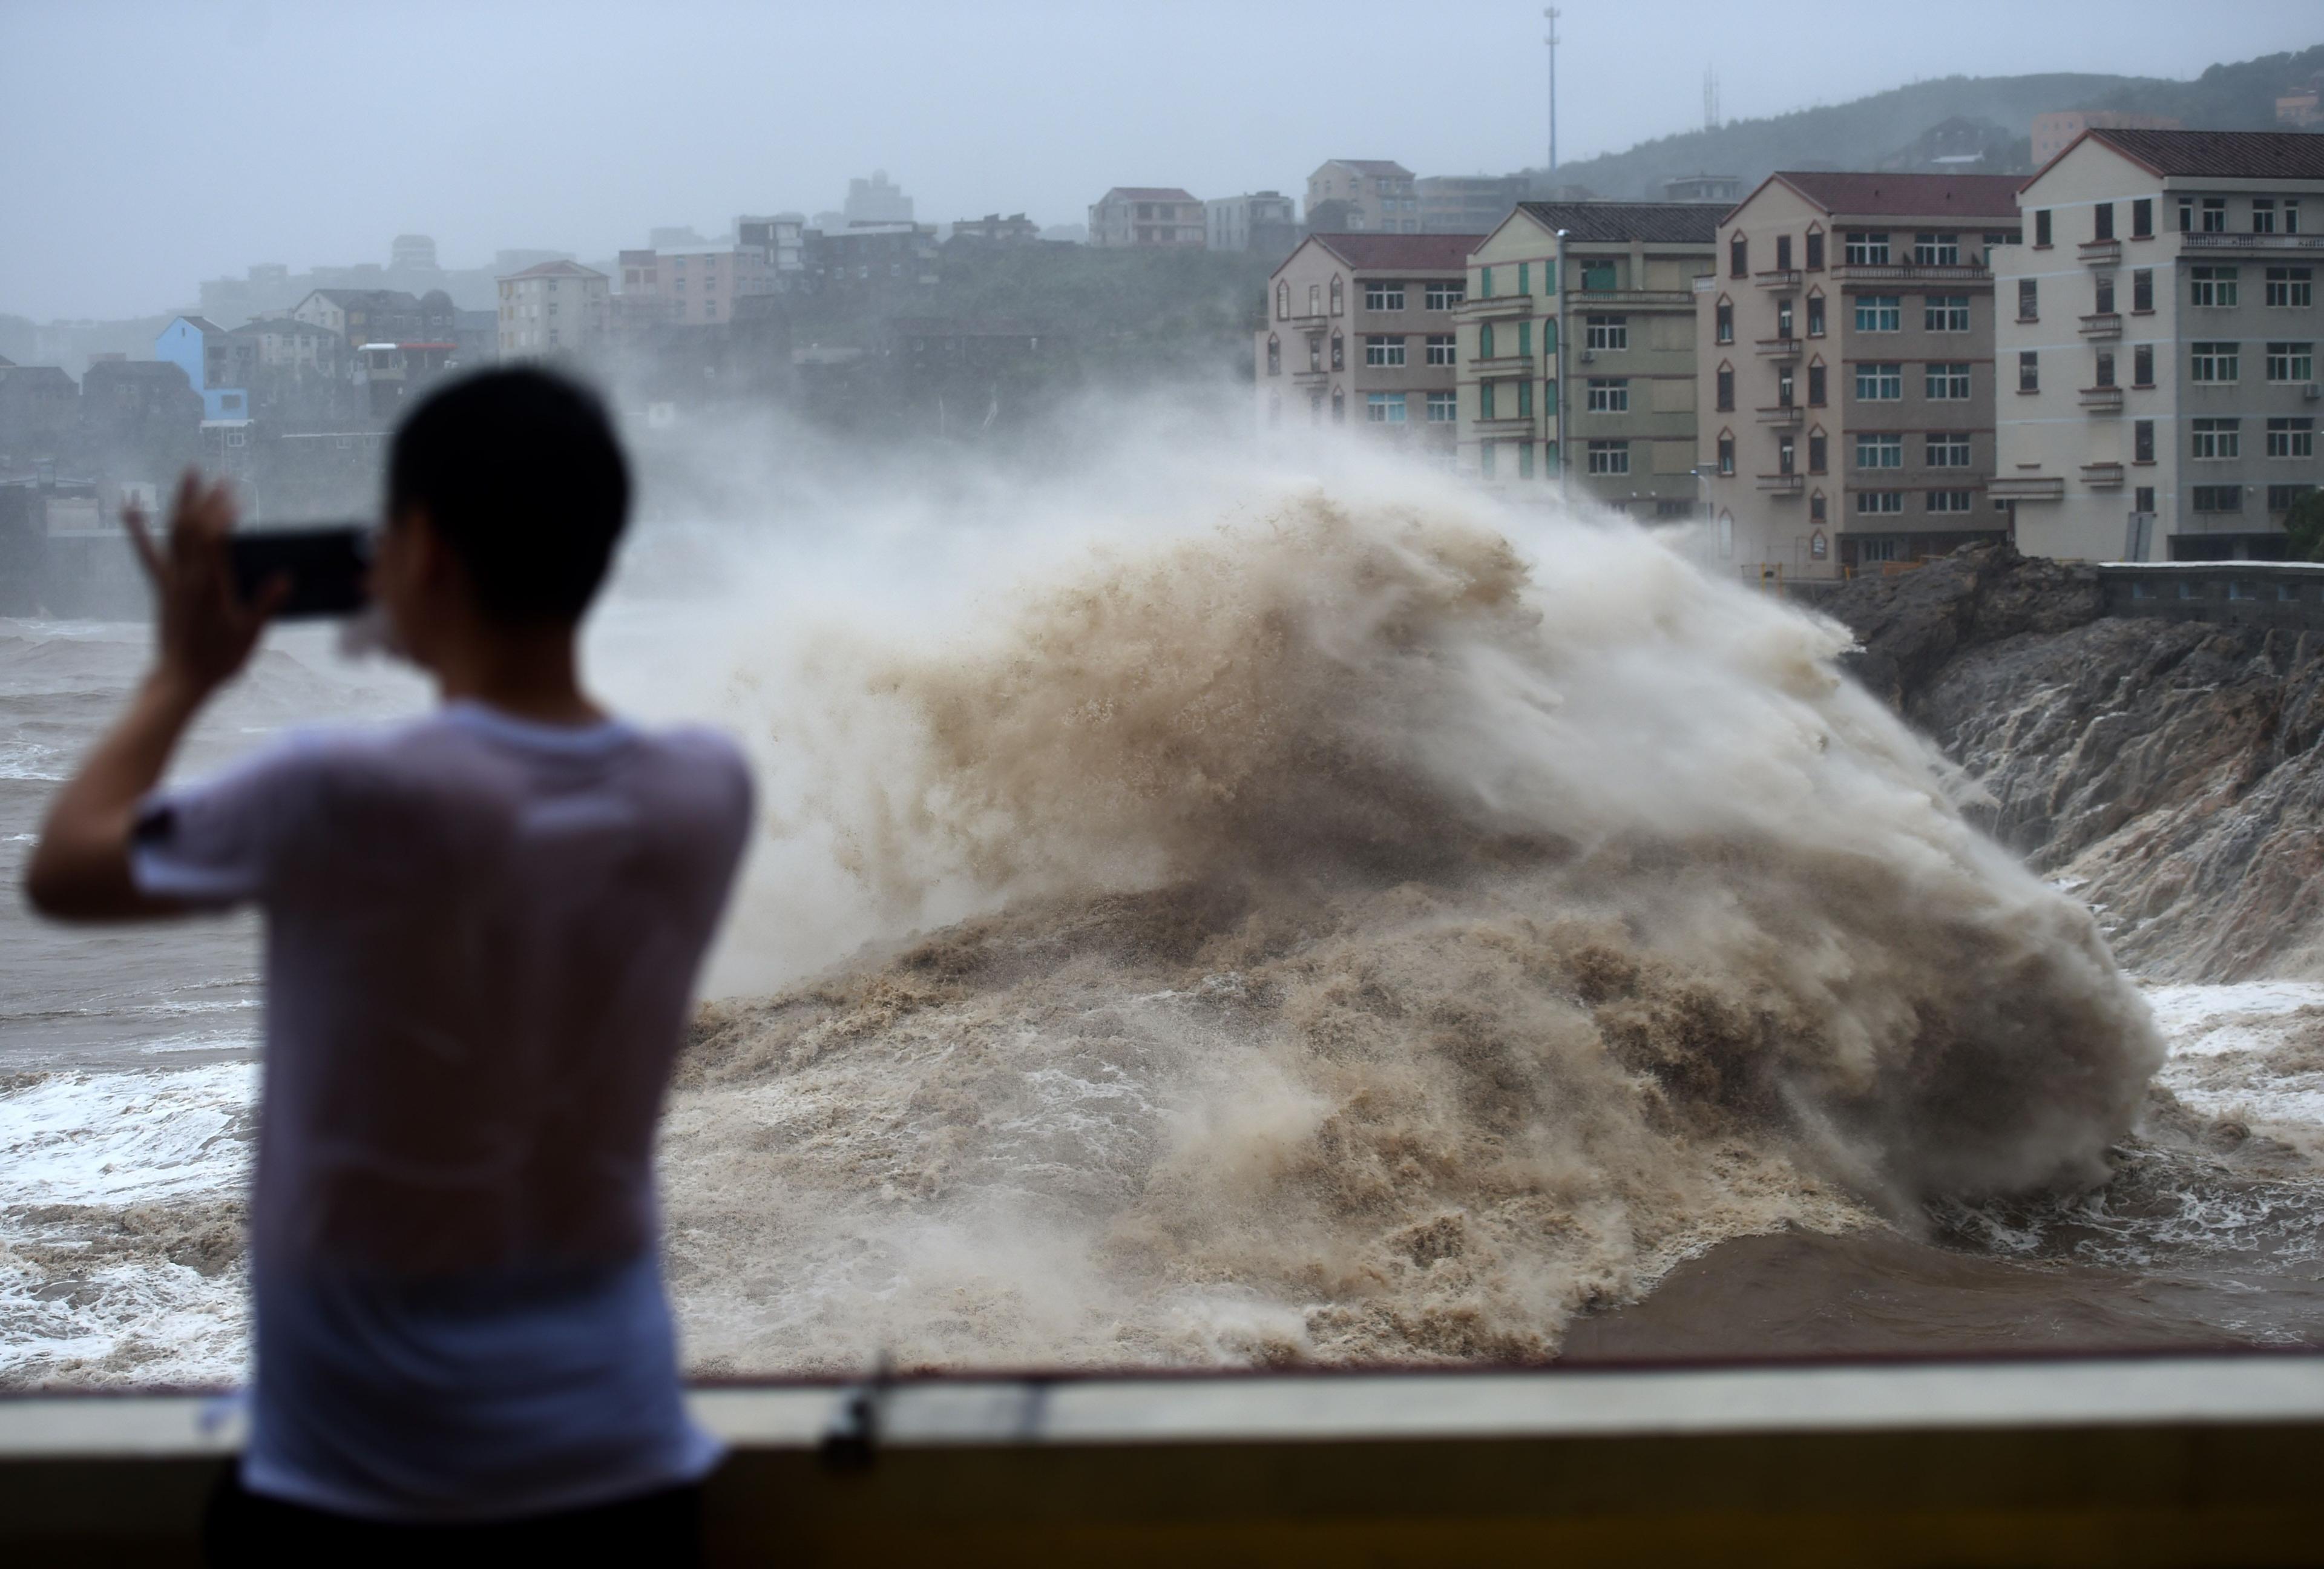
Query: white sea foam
[[126, 1138]]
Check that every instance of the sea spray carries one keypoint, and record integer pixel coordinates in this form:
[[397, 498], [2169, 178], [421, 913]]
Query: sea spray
[[1375, 928]]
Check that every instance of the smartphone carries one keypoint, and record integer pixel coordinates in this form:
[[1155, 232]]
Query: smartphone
[[326, 563]]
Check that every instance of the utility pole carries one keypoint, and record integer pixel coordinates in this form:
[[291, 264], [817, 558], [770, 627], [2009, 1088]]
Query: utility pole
[[1551, 13]]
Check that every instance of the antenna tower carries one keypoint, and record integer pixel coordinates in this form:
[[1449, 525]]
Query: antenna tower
[[1550, 14], [1710, 98]]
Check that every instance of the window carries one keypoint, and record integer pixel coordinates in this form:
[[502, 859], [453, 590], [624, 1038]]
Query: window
[[1383, 351], [2186, 214], [1786, 460], [1952, 500], [1444, 296], [1283, 302], [2292, 286], [2215, 362], [1726, 385], [2029, 370], [1605, 457], [1339, 406], [1549, 458], [1945, 313], [2142, 289], [1816, 515], [1598, 277], [2215, 215], [2292, 215], [1783, 252], [1274, 357], [1936, 250], [2143, 499], [1815, 386], [2262, 214], [1783, 388], [1877, 503], [2217, 438], [1524, 286], [1314, 300], [1525, 340], [1949, 450], [2041, 227], [1879, 383], [1815, 250], [1875, 450], [1485, 400], [1948, 380], [1314, 351], [1525, 399], [2291, 362], [1739, 263], [1725, 320], [2142, 441], [2290, 438], [1484, 283], [2141, 218], [1444, 408], [1867, 250], [1338, 297], [1876, 312], [2103, 373], [1384, 408], [1525, 460], [1442, 348], [2141, 366], [2280, 498], [2102, 296], [1604, 332], [1339, 352], [1383, 295], [2101, 221], [1815, 315], [2214, 286], [2029, 300], [2218, 498], [1784, 319], [1485, 340], [1606, 397], [1727, 455]]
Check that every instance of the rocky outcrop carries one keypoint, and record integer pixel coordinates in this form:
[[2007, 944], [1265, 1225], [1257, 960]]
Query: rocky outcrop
[[2169, 772]]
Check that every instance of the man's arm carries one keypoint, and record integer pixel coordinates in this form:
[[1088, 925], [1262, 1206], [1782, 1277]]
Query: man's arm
[[80, 869]]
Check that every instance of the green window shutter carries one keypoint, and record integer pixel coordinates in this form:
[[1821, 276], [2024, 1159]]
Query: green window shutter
[[1485, 458], [1549, 335], [1549, 286], [1549, 453], [1525, 277], [1525, 399], [1485, 340], [1525, 338], [1485, 284], [1549, 398], [1525, 461], [1484, 400]]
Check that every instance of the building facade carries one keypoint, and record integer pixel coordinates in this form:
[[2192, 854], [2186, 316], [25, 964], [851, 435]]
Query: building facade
[[2054, 133], [1361, 331], [1266, 221], [1147, 217], [557, 307], [1577, 353], [217, 365], [1846, 344], [1467, 205], [2159, 342], [694, 288], [1375, 195]]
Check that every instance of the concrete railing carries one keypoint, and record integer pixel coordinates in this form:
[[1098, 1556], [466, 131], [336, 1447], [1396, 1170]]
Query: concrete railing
[[2286, 593]]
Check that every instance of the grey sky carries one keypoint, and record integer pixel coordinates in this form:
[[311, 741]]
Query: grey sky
[[150, 146]]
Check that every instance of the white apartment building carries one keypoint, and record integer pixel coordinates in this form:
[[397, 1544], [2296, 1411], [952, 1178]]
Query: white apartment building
[[557, 307], [1363, 195], [1147, 217], [2158, 346]]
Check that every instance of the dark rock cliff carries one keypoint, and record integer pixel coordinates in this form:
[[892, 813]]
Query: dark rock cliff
[[2168, 772]]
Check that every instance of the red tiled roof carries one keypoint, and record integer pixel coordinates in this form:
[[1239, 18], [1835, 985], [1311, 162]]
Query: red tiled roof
[[1150, 193], [1418, 252], [2221, 154], [1915, 196]]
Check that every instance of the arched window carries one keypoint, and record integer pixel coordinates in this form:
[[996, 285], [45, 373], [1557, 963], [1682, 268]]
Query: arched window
[[1283, 302], [1274, 356], [1818, 549], [1724, 383], [1484, 340], [1726, 319], [1339, 352], [1339, 405], [1314, 300], [1339, 295], [1816, 249], [1815, 508], [1738, 258], [1727, 536], [1727, 454]]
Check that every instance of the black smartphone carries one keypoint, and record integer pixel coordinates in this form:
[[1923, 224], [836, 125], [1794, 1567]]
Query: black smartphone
[[326, 563]]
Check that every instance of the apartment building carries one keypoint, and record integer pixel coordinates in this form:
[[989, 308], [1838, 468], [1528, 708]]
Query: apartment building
[[2159, 345], [1361, 329], [696, 288], [1375, 195], [1266, 221], [557, 308], [1147, 217], [1846, 341], [1577, 353], [1458, 204], [2054, 132]]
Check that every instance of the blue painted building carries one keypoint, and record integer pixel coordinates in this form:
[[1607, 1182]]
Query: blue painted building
[[214, 361]]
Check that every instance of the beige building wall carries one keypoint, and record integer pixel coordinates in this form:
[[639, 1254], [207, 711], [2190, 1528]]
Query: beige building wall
[[1330, 319], [557, 308]]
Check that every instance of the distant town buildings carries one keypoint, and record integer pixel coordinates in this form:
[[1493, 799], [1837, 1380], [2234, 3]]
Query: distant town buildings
[[1467, 205], [2158, 344], [694, 288], [1266, 221], [1147, 217], [412, 253], [2302, 108], [1725, 188], [1363, 196], [992, 229], [1578, 356], [876, 200], [1847, 387], [554, 309], [1360, 330], [216, 365], [776, 238], [2055, 132]]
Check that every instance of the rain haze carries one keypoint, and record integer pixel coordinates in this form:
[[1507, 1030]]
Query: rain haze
[[151, 145]]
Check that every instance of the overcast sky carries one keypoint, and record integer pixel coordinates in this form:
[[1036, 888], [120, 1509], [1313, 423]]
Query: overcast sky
[[145, 146]]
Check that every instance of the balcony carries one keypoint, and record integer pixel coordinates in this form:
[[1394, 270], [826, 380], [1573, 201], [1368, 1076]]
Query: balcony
[[2102, 399], [1305, 378], [1500, 307], [1782, 417], [1514, 364], [2102, 475], [1502, 428], [1778, 278], [1629, 299], [2030, 487], [1910, 273], [1783, 484], [2311, 243], [1779, 348], [2104, 324], [2101, 252]]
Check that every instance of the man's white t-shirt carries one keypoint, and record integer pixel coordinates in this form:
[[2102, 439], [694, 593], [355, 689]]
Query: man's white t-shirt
[[482, 936]]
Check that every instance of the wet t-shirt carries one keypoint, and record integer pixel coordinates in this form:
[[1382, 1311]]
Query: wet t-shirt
[[482, 936]]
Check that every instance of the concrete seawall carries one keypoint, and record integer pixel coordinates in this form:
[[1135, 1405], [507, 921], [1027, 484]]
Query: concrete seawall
[[2285, 594]]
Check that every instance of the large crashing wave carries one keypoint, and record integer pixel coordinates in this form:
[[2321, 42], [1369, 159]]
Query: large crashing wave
[[1388, 947]]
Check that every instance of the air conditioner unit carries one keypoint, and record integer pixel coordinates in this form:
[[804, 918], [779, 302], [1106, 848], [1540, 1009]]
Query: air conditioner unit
[[2311, 391]]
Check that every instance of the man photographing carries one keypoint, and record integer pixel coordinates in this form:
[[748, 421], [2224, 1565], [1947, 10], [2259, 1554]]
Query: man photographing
[[483, 933]]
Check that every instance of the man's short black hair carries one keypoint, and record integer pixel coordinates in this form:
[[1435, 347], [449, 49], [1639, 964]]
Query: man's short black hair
[[522, 476]]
